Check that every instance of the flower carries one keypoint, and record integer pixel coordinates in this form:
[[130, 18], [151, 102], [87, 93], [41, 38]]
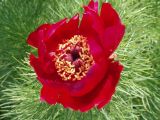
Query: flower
[[75, 64]]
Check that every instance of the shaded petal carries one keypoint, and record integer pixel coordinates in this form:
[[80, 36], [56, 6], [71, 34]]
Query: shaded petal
[[109, 15], [55, 95], [34, 36], [107, 36], [45, 71], [93, 77], [92, 28], [71, 27], [99, 96], [93, 5], [54, 27], [43, 54], [49, 41], [41, 45], [110, 84], [63, 32], [112, 37], [36, 64], [95, 49], [49, 95], [91, 23]]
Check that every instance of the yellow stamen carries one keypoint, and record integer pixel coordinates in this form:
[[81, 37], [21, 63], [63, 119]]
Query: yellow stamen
[[73, 58]]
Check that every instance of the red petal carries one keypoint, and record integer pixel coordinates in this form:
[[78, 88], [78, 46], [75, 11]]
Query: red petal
[[95, 49], [101, 94], [107, 35], [42, 51], [54, 27], [112, 37], [51, 41], [45, 71], [91, 23], [41, 45], [110, 84], [93, 5], [92, 28], [34, 36], [49, 95], [93, 77], [65, 31], [53, 93], [36, 64], [109, 15], [72, 27]]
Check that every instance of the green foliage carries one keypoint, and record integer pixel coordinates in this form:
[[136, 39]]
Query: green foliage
[[137, 96], [18, 19]]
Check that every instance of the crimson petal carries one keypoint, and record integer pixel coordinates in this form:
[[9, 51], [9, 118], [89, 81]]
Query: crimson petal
[[93, 5], [93, 77], [112, 37], [110, 84], [54, 27], [34, 36], [99, 96], [49, 95], [62, 31], [91, 27], [46, 72], [95, 49], [91, 23], [109, 15]]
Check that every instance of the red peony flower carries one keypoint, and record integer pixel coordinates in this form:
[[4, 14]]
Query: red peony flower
[[74, 63]]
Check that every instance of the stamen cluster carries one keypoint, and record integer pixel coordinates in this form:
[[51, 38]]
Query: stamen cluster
[[73, 58]]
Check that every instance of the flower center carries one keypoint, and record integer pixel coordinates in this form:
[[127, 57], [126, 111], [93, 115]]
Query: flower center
[[73, 58]]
